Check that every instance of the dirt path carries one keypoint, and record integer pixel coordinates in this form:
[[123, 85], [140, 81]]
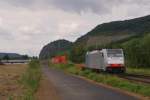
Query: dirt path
[[46, 91], [72, 88]]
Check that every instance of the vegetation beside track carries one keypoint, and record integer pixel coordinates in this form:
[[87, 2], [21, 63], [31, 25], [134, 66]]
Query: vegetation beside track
[[111, 80], [141, 71], [31, 79]]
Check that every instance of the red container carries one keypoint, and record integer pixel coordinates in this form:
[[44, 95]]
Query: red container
[[59, 59]]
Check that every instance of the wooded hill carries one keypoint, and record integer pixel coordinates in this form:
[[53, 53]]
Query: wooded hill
[[115, 31], [55, 48], [11, 56]]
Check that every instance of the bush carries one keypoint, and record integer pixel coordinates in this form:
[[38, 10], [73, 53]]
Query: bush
[[31, 79]]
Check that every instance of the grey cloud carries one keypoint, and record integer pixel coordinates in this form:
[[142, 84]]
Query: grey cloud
[[81, 5], [4, 34], [100, 7], [67, 5], [96, 6], [23, 3]]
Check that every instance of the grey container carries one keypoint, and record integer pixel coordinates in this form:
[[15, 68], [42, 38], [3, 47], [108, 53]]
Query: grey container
[[95, 60]]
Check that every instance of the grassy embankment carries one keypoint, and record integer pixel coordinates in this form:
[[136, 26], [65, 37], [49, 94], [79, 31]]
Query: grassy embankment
[[31, 79], [114, 81], [142, 71]]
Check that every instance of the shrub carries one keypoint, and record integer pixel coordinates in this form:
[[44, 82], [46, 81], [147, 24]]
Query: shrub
[[31, 79]]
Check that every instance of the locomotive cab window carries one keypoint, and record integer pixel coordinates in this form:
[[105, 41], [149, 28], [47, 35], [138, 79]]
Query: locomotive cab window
[[114, 53]]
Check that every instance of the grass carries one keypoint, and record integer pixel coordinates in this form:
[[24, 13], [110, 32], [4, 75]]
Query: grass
[[143, 71], [114, 81], [31, 79]]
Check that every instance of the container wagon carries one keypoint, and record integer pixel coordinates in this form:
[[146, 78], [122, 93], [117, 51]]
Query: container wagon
[[59, 59], [111, 60]]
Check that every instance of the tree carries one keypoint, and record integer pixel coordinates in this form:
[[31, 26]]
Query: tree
[[77, 54], [35, 57], [137, 52], [6, 57], [25, 57]]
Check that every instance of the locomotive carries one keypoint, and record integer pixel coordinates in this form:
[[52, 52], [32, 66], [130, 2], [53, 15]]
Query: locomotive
[[110, 60]]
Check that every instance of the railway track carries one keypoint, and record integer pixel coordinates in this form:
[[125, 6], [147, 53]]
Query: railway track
[[131, 77], [136, 78]]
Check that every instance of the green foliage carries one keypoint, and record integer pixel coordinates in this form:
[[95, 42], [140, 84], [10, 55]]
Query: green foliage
[[6, 57], [143, 71], [25, 57], [77, 54], [137, 51], [31, 79], [97, 47]]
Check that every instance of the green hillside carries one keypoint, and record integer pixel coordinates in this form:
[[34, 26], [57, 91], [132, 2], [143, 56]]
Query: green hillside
[[11, 56], [115, 31]]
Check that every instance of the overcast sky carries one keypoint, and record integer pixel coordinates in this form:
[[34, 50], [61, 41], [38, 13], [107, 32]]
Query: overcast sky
[[27, 25]]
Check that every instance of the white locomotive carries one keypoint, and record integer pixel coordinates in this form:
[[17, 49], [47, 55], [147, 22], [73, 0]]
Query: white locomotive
[[111, 60]]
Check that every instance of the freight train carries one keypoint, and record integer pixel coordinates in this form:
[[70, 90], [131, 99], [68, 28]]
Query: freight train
[[110, 60]]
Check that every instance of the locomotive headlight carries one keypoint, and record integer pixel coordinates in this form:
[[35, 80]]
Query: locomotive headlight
[[115, 65]]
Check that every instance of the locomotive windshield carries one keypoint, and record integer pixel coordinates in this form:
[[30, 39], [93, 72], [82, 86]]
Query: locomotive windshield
[[114, 53]]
